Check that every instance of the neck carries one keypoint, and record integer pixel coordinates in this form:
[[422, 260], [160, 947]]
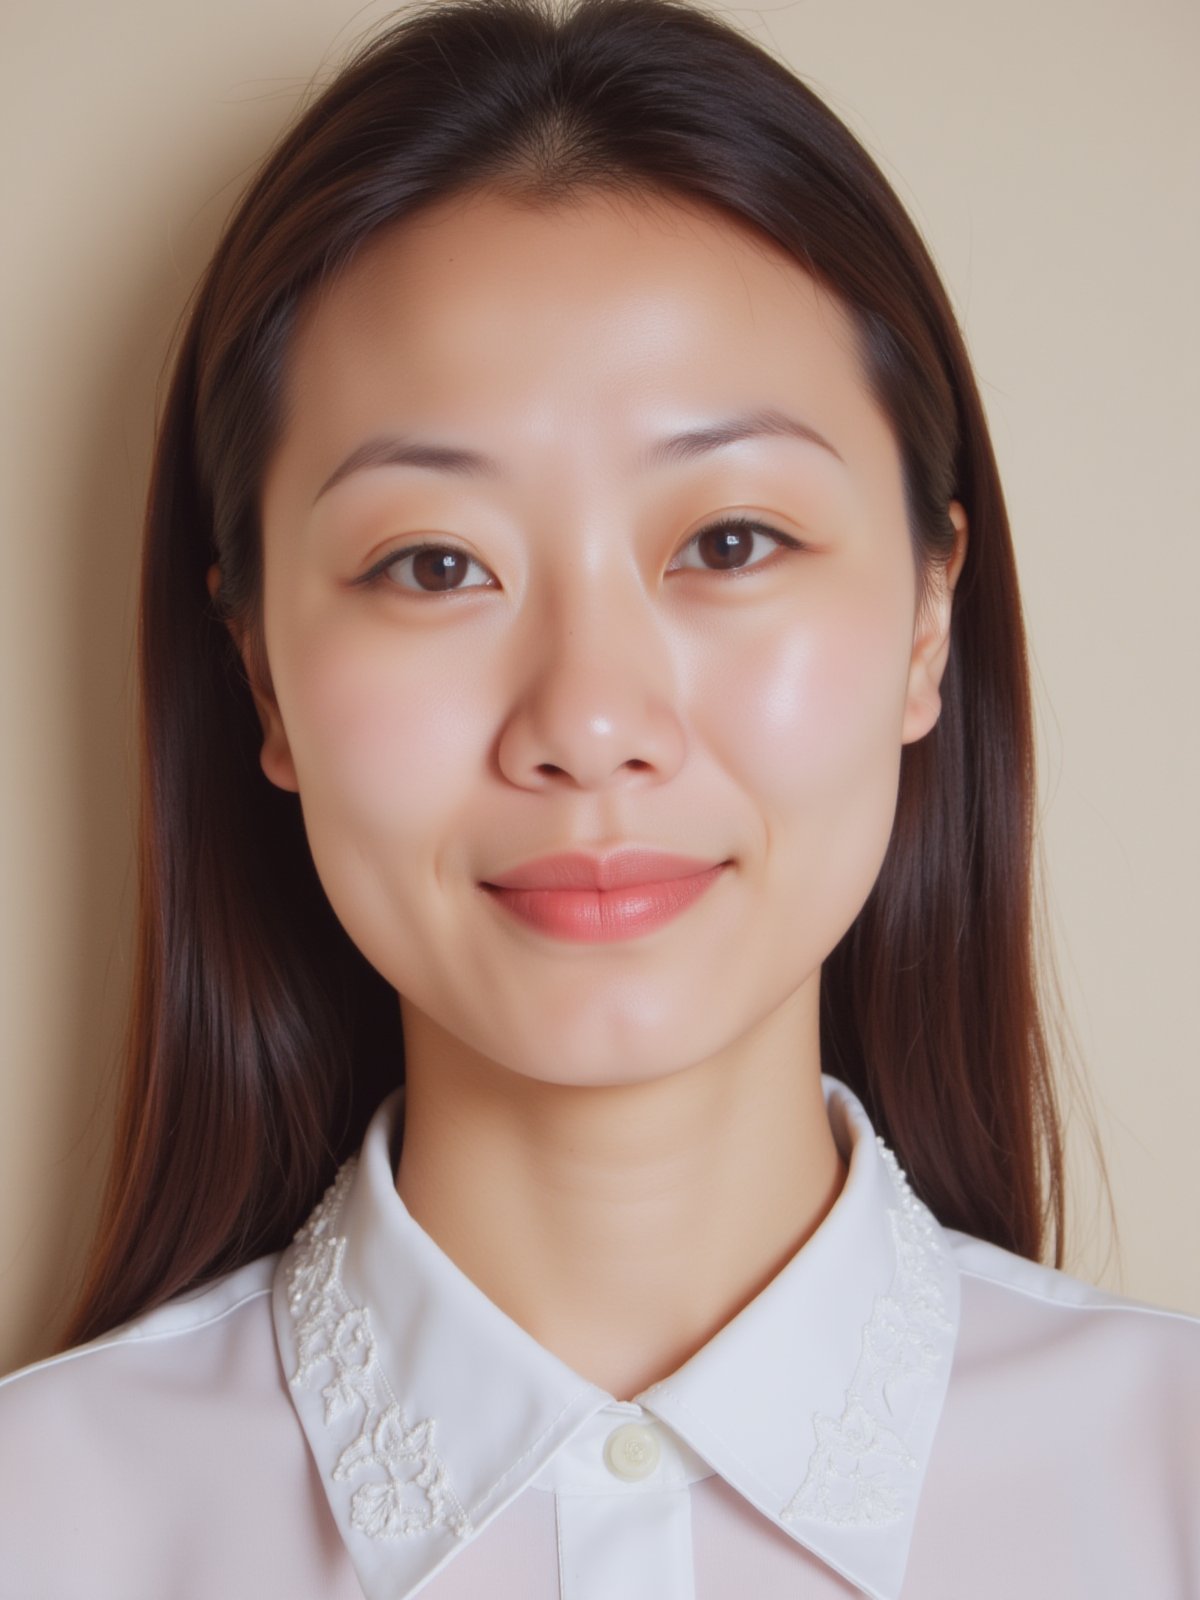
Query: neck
[[621, 1225]]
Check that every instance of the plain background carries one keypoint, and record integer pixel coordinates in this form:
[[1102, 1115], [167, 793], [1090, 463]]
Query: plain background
[[1047, 149]]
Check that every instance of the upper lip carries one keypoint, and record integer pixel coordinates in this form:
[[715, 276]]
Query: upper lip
[[616, 869]]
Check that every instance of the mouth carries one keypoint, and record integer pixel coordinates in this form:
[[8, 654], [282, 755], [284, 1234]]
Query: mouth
[[601, 915], [631, 866]]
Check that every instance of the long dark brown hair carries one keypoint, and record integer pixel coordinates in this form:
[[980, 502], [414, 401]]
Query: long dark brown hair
[[260, 1039]]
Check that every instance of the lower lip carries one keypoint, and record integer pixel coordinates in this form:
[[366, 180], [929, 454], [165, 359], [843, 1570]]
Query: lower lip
[[597, 916]]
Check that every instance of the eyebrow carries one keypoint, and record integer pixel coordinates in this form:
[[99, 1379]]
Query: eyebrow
[[389, 450]]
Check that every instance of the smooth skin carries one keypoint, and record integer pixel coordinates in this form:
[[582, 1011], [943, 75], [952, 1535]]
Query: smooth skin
[[620, 1143]]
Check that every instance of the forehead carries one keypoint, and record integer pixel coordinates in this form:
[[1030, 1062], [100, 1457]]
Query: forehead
[[585, 325]]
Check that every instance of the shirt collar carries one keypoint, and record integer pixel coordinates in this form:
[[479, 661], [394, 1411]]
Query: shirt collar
[[427, 1408]]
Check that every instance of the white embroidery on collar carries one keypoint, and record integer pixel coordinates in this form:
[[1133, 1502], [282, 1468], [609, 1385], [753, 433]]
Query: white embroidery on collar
[[409, 1492], [859, 1472]]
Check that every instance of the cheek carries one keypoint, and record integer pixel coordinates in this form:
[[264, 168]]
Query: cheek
[[385, 742], [379, 740], [807, 719], [810, 713]]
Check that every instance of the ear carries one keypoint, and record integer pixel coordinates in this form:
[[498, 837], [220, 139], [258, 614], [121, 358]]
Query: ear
[[931, 638], [275, 755]]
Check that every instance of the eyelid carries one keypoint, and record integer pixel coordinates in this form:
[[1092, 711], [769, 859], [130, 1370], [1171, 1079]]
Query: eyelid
[[380, 567], [739, 520], [744, 523]]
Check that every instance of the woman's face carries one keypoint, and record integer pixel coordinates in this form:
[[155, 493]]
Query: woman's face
[[580, 664]]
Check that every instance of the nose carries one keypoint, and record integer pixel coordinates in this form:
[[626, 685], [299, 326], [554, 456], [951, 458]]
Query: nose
[[597, 702]]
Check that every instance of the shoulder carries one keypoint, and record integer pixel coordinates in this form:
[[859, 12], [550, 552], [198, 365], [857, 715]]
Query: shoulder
[[1089, 1356], [1047, 1294], [163, 1419], [110, 1372], [1068, 1444]]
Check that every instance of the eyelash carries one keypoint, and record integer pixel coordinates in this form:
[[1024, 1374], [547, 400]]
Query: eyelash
[[376, 575]]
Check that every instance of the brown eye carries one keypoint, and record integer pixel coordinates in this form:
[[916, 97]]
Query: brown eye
[[438, 569], [728, 545], [434, 569]]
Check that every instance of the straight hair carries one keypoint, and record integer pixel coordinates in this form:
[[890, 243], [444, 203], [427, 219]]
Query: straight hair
[[259, 1039]]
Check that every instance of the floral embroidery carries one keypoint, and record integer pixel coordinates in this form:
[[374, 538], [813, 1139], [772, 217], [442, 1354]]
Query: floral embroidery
[[407, 1491], [856, 1473]]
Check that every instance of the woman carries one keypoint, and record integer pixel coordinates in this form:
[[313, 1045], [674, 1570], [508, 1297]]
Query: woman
[[577, 586]]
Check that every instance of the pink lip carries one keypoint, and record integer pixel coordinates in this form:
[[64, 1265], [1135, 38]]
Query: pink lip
[[595, 899], [580, 869]]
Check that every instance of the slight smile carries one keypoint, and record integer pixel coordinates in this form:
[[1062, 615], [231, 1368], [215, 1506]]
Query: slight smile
[[595, 899]]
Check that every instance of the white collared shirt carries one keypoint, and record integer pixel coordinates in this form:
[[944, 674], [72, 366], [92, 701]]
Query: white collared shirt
[[904, 1412]]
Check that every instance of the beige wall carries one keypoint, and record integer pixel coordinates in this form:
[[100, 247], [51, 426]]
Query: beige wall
[[1047, 148]]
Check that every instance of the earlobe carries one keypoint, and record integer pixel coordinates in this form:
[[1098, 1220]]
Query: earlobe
[[275, 756], [931, 639]]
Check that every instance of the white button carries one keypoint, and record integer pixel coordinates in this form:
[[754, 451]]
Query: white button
[[632, 1451]]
